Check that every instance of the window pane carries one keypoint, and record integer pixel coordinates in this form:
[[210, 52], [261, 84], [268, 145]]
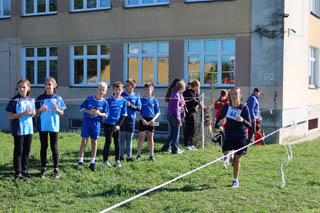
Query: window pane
[[228, 78], [133, 68], [105, 49], [78, 50], [53, 51], [92, 50], [228, 64], [133, 48], [147, 69], [54, 69], [92, 68], [210, 69], [105, 70], [211, 46], [78, 4], [91, 3], [163, 1], [163, 70], [30, 71], [29, 6], [42, 67], [132, 2], [148, 48], [6, 8], [78, 71], [228, 45], [194, 68], [104, 3], [163, 47], [194, 46], [42, 52], [29, 52], [41, 6], [147, 1], [53, 5]]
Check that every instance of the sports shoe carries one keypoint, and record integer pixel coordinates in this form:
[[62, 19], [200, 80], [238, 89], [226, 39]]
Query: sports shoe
[[121, 158], [107, 164], [235, 184], [43, 173], [92, 167], [194, 148], [20, 176], [180, 151], [151, 158], [26, 174], [117, 163], [138, 157], [80, 163], [187, 148], [131, 159], [56, 173]]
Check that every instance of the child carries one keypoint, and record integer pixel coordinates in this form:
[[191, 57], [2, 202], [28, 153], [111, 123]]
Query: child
[[50, 106], [218, 105], [175, 110], [127, 128], [150, 111], [94, 108], [20, 110], [117, 113]]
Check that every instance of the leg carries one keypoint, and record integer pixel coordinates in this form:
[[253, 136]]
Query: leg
[[25, 153], [122, 142], [193, 125], [187, 130], [54, 148], [151, 143], [166, 145], [108, 134], [175, 135], [142, 135], [129, 144], [236, 166], [17, 153], [83, 145], [44, 147], [116, 140], [94, 147]]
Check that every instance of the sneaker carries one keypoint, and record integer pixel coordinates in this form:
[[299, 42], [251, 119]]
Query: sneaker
[[194, 148], [92, 167], [43, 173], [131, 159], [20, 176], [180, 151], [56, 173], [187, 148], [138, 157], [235, 184], [26, 174], [107, 164], [152, 159], [80, 163], [121, 158], [117, 163]]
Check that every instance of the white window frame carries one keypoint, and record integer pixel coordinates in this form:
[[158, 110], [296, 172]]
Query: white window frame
[[140, 4], [140, 55], [202, 54], [315, 4], [88, 9], [85, 58], [198, 0], [35, 12], [313, 67], [35, 58], [2, 9]]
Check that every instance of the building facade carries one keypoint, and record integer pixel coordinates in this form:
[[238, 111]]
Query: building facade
[[243, 43]]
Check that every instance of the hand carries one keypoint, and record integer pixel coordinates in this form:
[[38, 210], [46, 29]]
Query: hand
[[116, 128], [239, 118], [222, 122], [145, 122], [128, 103], [151, 123], [43, 108], [29, 112], [94, 112], [55, 106]]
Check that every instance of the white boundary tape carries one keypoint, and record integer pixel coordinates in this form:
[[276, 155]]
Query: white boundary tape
[[188, 173]]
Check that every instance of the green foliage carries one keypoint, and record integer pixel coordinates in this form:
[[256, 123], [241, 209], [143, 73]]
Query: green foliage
[[207, 190]]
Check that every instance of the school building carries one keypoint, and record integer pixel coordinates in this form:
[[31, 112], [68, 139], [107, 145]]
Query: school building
[[273, 45]]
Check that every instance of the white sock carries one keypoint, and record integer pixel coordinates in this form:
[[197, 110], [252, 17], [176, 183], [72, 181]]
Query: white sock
[[92, 160], [236, 179], [139, 153], [81, 159], [151, 154]]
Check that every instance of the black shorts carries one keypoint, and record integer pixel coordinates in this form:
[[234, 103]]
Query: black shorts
[[235, 145], [143, 128]]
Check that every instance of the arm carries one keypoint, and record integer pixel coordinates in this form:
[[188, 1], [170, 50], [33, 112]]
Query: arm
[[13, 116], [142, 119], [222, 115]]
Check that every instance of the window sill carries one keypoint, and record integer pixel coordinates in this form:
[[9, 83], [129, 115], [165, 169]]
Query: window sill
[[146, 5], [5, 17], [40, 14], [198, 1], [90, 10], [315, 14]]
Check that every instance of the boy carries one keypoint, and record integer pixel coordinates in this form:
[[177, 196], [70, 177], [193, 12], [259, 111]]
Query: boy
[[118, 112], [150, 111], [94, 108]]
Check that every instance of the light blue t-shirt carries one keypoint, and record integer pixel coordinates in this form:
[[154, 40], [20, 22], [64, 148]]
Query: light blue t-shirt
[[117, 108], [150, 107]]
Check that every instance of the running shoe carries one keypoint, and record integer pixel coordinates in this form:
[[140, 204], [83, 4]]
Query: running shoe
[[92, 167], [235, 184], [138, 157], [26, 174], [131, 159], [107, 164], [43, 173], [194, 148], [56, 173], [121, 158], [117, 163], [188, 148], [151, 158]]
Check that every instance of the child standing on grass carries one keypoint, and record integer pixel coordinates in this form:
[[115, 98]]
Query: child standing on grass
[[127, 128], [117, 114], [94, 108], [149, 113], [20, 110], [50, 106]]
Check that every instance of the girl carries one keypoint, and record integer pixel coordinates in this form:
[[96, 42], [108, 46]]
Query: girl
[[175, 110], [238, 120], [192, 102], [50, 106], [20, 110], [127, 128], [149, 113]]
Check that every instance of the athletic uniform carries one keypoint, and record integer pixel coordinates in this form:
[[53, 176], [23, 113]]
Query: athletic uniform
[[22, 130], [91, 124], [235, 132], [127, 128], [117, 113], [49, 123], [150, 107]]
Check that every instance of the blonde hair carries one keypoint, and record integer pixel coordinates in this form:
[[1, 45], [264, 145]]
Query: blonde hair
[[53, 81], [103, 85], [24, 81], [194, 83]]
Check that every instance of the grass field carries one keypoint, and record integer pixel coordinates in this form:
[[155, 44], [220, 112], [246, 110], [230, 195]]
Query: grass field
[[208, 190]]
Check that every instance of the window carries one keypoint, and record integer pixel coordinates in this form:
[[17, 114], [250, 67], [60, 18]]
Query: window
[[87, 5], [39, 7], [313, 71], [315, 7], [199, 0], [147, 62], [143, 3], [39, 63], [313, 124], [90, 64], [5, 8], [210, 61]]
